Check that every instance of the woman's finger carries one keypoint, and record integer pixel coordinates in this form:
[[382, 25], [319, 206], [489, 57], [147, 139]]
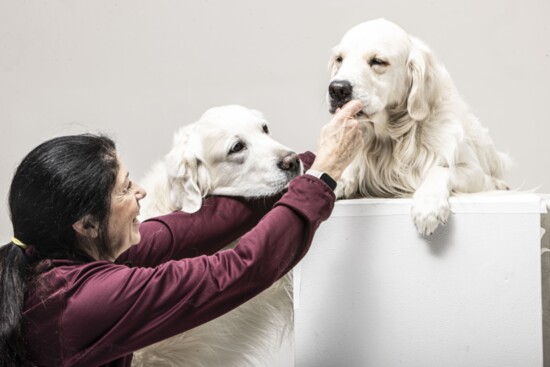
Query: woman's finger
[[349, 110]]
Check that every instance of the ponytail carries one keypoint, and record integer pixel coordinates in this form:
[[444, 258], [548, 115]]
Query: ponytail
[[14, 278]]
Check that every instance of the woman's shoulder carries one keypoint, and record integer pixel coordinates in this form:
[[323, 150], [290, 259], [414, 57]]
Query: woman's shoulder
[[57, 276], [75, 273]]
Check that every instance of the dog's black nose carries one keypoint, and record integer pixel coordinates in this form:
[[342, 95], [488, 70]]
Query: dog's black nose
[[340, 91], [291, 162]]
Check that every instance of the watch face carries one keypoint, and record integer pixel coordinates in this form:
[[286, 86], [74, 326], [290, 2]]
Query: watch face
[[328, 180], [323, 177]]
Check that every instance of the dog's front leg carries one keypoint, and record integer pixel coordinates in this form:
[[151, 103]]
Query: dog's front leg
[[430, 206], [348, 184]]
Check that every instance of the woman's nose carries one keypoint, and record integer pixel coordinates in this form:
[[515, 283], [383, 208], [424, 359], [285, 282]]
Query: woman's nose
[[140, 192]]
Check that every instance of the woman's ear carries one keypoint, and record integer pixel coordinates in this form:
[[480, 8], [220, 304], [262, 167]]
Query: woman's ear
[[87, 227]]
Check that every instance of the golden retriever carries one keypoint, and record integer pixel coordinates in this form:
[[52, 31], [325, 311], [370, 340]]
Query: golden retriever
[[228, 151], [421, 139]]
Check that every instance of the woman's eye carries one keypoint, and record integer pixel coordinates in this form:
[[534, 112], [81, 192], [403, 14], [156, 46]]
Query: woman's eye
[[127, 188], [265, 128], [237, 147]]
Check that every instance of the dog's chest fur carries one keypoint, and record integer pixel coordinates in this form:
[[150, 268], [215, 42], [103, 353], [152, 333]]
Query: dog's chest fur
[[394, 163]]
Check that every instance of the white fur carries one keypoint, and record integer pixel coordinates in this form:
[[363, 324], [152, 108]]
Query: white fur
[[199, 164], [421, 139]]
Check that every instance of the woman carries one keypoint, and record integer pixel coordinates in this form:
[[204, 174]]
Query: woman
[[75, 291]]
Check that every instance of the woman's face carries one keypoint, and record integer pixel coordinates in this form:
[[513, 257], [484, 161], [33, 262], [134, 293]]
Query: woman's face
[[123, 228]]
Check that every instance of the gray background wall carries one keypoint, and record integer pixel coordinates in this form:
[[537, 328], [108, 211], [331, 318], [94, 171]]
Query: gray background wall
[[140, 69]]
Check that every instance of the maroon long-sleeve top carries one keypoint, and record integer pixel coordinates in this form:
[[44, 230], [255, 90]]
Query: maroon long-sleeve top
[[97, 313]]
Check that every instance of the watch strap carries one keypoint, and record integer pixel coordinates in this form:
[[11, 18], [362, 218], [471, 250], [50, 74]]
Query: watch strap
[[323, 177]]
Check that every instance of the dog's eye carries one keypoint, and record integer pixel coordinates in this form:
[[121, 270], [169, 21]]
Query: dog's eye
[[377, 62], [339, 59], [237, 147], [265, 128]]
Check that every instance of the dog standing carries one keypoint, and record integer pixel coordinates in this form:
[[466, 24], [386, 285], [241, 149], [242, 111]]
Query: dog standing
[[421, 139], [228, 151]]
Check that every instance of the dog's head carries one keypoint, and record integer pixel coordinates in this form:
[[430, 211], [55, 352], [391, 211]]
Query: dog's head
[[228, 151], [379, 64]]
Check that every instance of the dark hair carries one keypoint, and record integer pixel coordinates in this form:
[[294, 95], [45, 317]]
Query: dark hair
[[58, 183]]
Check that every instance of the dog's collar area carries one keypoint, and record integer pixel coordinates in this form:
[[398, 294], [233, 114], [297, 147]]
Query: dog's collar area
[[323, 177]]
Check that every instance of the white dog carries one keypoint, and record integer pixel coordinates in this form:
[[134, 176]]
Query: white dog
[[421, 139], [228, 151]]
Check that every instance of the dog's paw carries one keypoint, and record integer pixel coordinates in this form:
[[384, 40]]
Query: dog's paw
[[346, 188], [498, 184], [428, 212], [339, 190]]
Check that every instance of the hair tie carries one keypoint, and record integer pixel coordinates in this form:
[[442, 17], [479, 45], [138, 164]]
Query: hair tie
[[16, 242]]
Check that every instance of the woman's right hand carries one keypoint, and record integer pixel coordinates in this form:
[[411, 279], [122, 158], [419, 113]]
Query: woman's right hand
[[340, 141]]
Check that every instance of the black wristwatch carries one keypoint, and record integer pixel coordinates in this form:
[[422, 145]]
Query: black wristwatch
[[323, 177]]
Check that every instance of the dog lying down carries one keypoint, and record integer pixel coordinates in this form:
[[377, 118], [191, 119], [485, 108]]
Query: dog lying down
[[228, 151], [421, 139]]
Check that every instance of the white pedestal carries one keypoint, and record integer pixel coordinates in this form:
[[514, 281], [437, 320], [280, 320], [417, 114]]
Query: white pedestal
[[372, 292]]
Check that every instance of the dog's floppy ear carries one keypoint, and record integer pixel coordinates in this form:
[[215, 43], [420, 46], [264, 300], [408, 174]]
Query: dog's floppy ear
[[421, 69], [188, 177]]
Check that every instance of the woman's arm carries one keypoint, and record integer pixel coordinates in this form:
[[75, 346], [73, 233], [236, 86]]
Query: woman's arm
[[180, 235]]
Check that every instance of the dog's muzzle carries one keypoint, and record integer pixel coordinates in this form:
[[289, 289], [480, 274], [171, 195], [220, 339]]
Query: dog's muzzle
[[291, 164], [340, 92]]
